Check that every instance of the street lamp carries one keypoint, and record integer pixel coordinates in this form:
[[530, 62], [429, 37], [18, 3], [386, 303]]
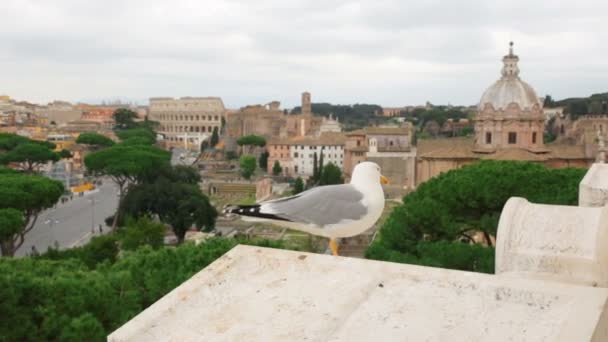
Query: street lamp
[[92, 200], [92, 211]]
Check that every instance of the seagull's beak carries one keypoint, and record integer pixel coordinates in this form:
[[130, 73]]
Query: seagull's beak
[[384, 180]]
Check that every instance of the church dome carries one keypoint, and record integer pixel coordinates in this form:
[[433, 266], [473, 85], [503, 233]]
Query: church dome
[[510, 88]]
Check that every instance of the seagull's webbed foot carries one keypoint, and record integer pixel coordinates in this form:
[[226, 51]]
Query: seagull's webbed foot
[[333, 246]]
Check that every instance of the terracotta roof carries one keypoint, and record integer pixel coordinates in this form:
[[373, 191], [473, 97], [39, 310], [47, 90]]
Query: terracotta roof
[[515, 154], [463, 148], [388, 130], [567, 151], [358, 149], [457, 148], [355, 132]]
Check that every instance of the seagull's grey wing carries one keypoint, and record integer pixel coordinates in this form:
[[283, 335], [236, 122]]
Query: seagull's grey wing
[[320, 206]]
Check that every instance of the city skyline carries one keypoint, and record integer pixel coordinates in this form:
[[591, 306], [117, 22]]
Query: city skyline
[[343, 52]]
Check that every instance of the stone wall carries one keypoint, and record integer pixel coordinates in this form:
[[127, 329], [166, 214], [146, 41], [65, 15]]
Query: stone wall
[[429, 168], [593, 190], [553, 242]]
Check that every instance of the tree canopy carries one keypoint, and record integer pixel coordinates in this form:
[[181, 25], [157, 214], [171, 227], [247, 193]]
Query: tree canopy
[[22, 198], [26, 153], [137, 136], [141, 231], [298, 186], [331, 175], [594, 104], [276, 168], [251, 140], [126, 164], [215, 138], [30, 156], [438, 115], [263, 161], [8, 141], [62, 295], [174, 195], [124, 118], [452, 206], [247, 164], [95, 139], [351, 116]]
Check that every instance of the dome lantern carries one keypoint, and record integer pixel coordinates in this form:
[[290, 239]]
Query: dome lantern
[[510, 68]]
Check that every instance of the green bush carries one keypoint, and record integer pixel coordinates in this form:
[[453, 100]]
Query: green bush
[[100, 249], [140, 232], [247, 164], [447, 208], [58, 296]]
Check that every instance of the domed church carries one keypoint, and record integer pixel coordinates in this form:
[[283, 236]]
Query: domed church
[[509, 125], [510, 114]]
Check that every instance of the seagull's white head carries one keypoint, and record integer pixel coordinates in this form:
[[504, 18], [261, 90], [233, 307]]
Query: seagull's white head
[[367, 173]]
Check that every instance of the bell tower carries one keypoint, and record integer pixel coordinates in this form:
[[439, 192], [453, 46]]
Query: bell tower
[[306, 104]]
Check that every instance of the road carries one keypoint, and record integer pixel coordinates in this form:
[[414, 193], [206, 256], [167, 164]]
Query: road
[[70, 223]]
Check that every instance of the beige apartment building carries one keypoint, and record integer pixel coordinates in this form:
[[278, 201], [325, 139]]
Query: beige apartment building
[[296, 155], [187, 121]]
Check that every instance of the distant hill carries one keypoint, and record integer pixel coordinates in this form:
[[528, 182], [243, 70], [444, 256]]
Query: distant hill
[[577, 106], [352, 116]]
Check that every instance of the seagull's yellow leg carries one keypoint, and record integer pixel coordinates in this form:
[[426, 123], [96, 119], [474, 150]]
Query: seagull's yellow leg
[[333, 246]]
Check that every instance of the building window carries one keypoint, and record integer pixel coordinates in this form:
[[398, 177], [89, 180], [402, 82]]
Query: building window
[[296, 155], [390, 143], [534, 137], [512, 138], [358, 142], [488, 138]]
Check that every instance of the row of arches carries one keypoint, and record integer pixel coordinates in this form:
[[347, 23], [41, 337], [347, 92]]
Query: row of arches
[[183, 129], [181, 117]]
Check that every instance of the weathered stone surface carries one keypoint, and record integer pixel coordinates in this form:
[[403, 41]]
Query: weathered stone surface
[[593, 189], [553, 242], [259, 294]]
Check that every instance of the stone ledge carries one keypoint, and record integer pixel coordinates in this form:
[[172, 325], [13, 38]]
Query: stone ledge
[[593, 189], [553, 242], [261, 294]]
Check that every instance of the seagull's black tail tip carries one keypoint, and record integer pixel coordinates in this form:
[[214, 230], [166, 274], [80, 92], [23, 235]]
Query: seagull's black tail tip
[[230, 209], [253, 210], [240, 209]]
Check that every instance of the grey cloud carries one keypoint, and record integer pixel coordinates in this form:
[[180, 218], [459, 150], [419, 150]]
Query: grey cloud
[[385, 51]]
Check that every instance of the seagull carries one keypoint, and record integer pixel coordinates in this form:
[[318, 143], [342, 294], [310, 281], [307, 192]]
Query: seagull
[[331, 211]]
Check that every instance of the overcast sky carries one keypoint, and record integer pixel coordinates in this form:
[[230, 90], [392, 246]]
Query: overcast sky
[[389, 52]]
